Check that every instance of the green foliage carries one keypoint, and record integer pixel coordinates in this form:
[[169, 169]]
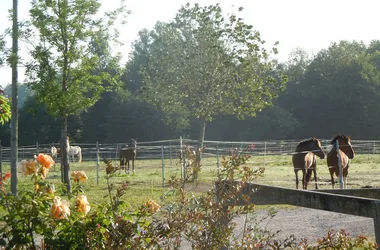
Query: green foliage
[[182, 219], [68, 70], [325, 92], [130, 117], [5, 108], [34, 115], [205, 63], [341, 240]]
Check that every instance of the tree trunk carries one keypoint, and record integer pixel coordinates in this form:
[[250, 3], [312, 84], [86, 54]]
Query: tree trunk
[[65, 164], [201, 139], [14, 109]]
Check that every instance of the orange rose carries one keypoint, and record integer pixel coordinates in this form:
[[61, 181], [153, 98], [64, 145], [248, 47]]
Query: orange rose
[[152, 206], [29, 167], [60, 209], [82, 204], [45, 160], [79, 176]]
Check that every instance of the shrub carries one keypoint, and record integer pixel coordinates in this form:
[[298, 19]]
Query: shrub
[[202, 222]]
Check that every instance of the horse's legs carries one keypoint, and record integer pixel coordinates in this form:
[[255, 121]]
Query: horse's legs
[[122, 164], [127, 169], [345, 173], [315, 177], [332, 177], [304, 171], [133, 166], [296, 172]]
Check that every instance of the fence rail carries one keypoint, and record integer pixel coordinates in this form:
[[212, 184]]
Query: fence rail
[[172, 148]]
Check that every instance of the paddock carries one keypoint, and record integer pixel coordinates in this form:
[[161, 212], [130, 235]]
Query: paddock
[[156, 162], [274, 156]]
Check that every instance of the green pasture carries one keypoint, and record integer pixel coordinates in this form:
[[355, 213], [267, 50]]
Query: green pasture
[[147, 181]]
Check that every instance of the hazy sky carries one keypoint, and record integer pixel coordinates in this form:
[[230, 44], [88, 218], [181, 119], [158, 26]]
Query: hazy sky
[[309, 24]]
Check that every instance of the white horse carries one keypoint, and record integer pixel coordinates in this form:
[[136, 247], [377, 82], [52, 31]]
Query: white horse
[[53, 151], [75, 150]]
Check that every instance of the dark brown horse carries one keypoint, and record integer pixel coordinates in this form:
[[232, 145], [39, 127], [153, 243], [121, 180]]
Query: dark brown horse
[[128, 153], [305, 159], [346, 152]]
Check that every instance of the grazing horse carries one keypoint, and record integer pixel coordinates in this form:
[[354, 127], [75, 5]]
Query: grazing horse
[[346, 152], [73, 151], [128, 153], [53, 151], [305, 159]]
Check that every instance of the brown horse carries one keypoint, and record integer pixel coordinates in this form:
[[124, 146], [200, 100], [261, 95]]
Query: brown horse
[[128, 153], [346, 152], [305, 159]]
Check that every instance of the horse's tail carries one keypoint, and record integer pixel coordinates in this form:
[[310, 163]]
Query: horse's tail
[[308, 175], [80, 154]]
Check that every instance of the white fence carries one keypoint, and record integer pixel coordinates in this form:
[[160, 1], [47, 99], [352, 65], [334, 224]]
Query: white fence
[[171, 149]]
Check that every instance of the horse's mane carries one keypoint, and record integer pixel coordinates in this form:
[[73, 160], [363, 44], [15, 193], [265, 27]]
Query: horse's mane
[[304, 143], [338, 137]]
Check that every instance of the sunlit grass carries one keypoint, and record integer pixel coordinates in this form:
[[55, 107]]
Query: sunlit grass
[[150, 178]]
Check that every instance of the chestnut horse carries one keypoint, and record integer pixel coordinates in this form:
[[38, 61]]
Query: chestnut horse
[[128, 153], [305, 159], [346, 152]]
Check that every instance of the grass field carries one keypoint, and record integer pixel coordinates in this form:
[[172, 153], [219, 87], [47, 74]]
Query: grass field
[[147, 182]]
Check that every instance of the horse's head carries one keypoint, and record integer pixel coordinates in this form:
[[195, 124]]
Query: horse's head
[[312, 144], [317, 148], [344, 142]]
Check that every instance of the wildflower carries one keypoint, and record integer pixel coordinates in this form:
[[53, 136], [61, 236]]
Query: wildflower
[[49, 189], [45, 160], [152, 206], [6, 176], [79, 176], [60, 208], [82, 204], [29, 167]]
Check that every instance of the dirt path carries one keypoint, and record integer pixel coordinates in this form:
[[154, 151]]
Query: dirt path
[[313, 224]]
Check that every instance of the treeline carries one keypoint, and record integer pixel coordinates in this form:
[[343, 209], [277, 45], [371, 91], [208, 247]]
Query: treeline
[[333, 92]]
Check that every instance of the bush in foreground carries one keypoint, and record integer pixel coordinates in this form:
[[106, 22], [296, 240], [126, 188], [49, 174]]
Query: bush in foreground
[[68, 221]]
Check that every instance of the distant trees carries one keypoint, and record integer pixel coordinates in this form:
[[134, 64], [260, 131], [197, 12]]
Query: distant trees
[[202, 67], [337, 93]]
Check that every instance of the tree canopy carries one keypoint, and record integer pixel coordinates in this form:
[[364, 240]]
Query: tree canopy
[[68, 71], [205, 63]]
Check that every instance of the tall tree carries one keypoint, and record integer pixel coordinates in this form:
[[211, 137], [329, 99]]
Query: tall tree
[[63, 72], [206, 63], [14, 121]]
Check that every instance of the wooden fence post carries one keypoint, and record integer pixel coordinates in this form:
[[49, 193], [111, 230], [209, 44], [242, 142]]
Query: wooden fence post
[[376, 221], [181, 158], [339, 165], [163, 166], [217, 160], [170, 152], [97, 163], [265, 153]]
